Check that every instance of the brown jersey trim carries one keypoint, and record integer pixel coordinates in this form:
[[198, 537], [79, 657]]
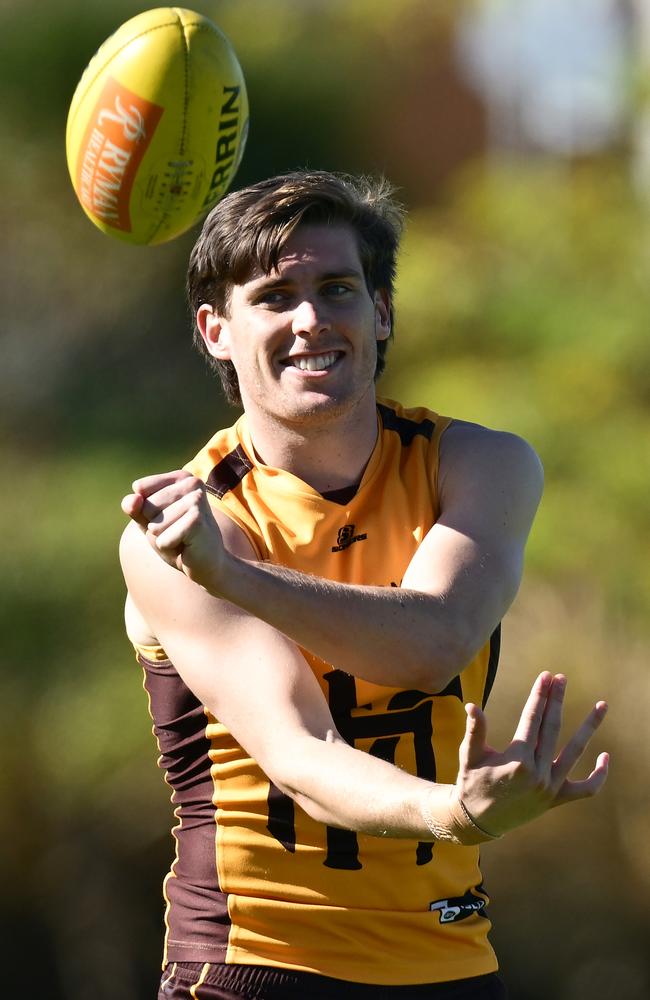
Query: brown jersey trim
[[441, 425], [197, 918], [342, 496], [493, 663], [229, 472], [265, 981], [406, 428]]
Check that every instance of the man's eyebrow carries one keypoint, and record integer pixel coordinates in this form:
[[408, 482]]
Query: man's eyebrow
[[347, 272], [271, 281], [266, 281]]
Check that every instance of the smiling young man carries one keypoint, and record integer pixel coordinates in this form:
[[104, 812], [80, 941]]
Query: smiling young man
[[315, 600]]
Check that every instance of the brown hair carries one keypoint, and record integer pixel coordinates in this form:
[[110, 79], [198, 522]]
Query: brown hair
[[248, 229]]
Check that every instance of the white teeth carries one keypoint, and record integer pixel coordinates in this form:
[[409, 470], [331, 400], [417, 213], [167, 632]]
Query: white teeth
[[315, 363]]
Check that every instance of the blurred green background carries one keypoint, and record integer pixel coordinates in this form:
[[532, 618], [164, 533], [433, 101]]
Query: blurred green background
[[519, 134]]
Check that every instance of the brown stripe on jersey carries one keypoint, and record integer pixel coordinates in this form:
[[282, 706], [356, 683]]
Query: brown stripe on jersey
[[493, 663], [407, 699], [342, 496], [407, 429], [197, 912], [229, 472]]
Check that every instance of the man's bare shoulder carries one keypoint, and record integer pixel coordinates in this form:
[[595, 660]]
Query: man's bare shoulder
[[473, 452]]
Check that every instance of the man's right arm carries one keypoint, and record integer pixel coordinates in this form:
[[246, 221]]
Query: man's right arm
[[257, 683]]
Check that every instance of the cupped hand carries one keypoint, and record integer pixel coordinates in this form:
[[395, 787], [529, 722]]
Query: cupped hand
[[503, 790], [172, 510]]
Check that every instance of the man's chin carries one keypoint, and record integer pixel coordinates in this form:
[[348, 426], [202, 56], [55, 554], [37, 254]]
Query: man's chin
[[314, 406]]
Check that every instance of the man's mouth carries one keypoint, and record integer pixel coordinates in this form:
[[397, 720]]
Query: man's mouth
[[313, 362]]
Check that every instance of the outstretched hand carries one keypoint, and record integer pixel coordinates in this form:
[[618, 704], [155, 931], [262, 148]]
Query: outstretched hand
[[504, 790], [172, 510]]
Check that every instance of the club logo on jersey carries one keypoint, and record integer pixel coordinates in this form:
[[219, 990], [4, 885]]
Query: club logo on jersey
[[346, 537], [460, 907]]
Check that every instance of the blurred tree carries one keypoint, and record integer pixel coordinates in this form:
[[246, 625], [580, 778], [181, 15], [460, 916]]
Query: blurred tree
[[523, 303]]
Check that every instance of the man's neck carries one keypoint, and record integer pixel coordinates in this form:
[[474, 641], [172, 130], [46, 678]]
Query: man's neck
[[327, 454]]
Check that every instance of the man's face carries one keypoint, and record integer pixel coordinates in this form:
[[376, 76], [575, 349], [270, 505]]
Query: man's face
[[303, 339]]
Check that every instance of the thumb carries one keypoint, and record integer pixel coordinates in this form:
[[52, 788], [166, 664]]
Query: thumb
[[133, 506], [472, 749]]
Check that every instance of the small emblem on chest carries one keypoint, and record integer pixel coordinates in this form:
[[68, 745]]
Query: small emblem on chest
[[346, 537]]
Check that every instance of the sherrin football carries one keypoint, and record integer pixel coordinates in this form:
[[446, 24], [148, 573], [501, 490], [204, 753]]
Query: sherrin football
[[157, 126]]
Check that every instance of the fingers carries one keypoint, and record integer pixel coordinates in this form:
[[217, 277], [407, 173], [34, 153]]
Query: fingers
[[574, 749], [169, 494], [170, 540], [174, 529], [533, 712], [169, 527], [153, 494], [472, 749], [141, 510], [549, 730], [572, 791], [162, 519], [132, 507], [147, 485]]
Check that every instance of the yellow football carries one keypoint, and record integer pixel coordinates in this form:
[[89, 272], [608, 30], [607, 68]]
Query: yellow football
[[157, 126]]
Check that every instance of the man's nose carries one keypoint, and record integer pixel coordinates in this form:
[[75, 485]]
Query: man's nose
[[310, 317]]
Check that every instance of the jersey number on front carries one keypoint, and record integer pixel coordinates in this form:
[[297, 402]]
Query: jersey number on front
[[409, 712]]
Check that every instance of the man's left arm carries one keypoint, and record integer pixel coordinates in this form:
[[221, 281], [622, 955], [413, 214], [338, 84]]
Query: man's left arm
[[456, 589]]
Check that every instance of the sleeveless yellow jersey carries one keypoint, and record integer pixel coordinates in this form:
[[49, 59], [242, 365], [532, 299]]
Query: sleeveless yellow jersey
[[256, 880]]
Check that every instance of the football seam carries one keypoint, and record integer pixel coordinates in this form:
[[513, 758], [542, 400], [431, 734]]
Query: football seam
[[186, 95], [186, 100], [149, 31], [200, 25]]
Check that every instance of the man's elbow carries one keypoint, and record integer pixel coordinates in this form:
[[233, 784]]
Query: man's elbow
[[447, 660], [470, 626]]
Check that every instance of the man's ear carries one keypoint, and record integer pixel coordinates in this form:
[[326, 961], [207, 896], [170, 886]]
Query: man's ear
[[215, 332], [382, 314]]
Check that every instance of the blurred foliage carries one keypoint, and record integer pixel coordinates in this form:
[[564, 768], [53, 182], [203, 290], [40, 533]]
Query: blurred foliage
[[522, 304]]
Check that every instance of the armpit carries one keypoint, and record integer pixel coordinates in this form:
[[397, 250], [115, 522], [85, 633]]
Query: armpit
[[137, 629]]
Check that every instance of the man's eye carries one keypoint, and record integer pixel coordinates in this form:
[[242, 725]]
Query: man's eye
[[272, 298], [336, 289]]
